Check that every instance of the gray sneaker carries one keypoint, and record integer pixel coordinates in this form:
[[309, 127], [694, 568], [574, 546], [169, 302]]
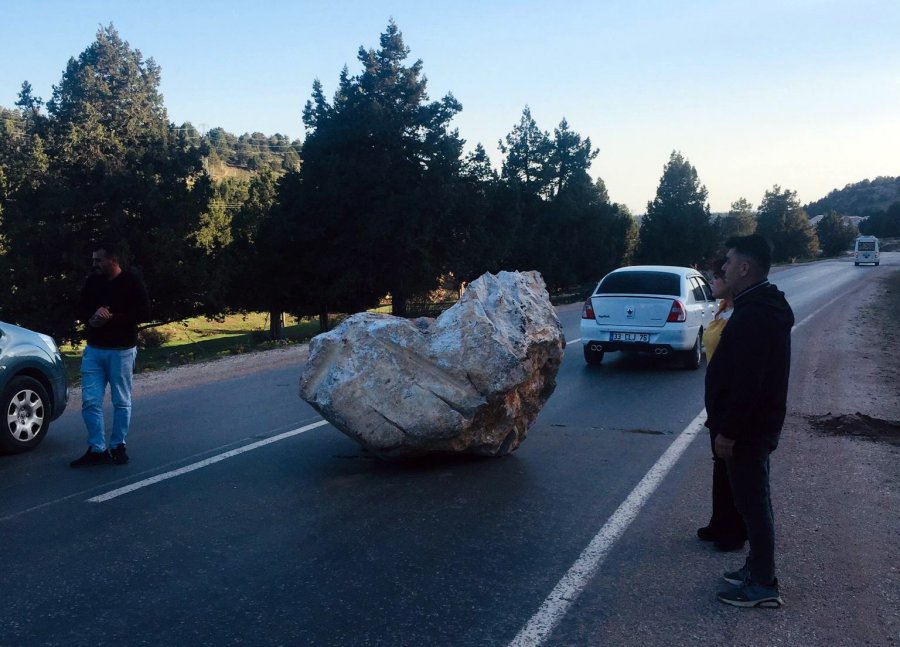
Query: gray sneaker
[[751, 594], [737, 577]]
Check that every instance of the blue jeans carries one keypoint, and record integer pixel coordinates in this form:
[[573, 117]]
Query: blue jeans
[[99, 367]]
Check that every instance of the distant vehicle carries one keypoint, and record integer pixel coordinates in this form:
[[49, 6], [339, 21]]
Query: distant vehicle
[[33, 386], [866, 250], [659, 309]]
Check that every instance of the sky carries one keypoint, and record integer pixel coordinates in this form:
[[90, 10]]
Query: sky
[[804, 94]]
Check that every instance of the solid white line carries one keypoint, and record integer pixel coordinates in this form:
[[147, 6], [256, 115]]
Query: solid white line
[[112, 494], [569, 588], [573, 341], [583, 570], [816, 311]]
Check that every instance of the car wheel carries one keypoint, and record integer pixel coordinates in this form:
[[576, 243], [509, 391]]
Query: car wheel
[[856, 264], [692, 357], [592, 357], [27, 415]]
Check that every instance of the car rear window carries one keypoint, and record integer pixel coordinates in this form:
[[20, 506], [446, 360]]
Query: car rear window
[[640, 283], [866, 246]]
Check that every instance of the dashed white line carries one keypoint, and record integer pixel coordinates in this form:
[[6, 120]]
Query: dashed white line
[[112, 494]]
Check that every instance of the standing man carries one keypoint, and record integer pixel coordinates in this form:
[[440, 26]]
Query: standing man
[[746, 402], [113, 302]]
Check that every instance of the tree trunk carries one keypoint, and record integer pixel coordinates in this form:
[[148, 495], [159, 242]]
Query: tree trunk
[[276, 326], [398, 303], [323, 319]]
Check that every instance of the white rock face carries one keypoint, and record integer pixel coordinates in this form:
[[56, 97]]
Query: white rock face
[[472, 380]]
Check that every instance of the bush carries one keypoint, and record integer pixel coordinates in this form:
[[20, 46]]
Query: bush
[[152, 338]]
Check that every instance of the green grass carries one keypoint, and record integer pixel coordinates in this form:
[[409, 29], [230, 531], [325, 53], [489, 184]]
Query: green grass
[[199, 339]]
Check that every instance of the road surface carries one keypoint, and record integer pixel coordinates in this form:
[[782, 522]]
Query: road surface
[[243, 519]]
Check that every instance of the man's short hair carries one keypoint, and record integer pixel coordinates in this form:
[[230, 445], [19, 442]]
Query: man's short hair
[[109, 247], [756, 247]]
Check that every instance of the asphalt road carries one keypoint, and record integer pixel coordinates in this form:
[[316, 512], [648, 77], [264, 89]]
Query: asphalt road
[[304, 540]]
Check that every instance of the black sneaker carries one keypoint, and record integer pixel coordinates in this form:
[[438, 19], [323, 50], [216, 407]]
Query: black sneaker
[[118, 455], [738, 577], [751, 594], [92, 458]]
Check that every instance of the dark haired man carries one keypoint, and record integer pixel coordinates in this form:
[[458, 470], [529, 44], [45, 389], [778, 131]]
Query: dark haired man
[[113, 302], [746, 402]]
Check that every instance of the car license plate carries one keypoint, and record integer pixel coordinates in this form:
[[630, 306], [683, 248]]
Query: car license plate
[[629, 336]]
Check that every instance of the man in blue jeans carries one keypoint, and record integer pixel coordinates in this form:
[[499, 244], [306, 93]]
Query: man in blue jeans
[[113, 302]]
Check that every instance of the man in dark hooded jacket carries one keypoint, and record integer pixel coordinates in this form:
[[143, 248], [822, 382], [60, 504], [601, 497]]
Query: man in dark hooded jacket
[[746, 402]]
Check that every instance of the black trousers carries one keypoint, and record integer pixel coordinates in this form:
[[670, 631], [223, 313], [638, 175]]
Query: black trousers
[[748, 474], [726, 522]]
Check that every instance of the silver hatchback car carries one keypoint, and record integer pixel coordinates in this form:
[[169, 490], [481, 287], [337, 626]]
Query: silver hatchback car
[[33, 386], [659, 309]]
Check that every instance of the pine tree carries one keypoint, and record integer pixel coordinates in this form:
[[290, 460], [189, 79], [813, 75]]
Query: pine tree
[[676, 229], [115, 169], [380, 165], [783, 221]]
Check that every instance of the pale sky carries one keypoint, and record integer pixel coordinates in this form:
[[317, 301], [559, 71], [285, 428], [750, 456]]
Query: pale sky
[[800, 93]]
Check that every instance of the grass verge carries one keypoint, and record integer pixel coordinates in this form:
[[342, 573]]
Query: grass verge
[[200, 339]]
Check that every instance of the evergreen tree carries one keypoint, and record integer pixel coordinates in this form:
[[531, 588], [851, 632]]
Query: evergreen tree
[[783, 221], [260, 259], [377, 184], [528, 166], [115, 169], [884, 223], [835, 233], [571, 158], [676, 229], [740, 221], [483, 224]]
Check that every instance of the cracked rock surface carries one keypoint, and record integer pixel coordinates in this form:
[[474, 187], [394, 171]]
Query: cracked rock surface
[[470, 381]]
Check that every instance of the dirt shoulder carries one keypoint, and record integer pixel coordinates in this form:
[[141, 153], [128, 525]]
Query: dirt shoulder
[[836, 476]]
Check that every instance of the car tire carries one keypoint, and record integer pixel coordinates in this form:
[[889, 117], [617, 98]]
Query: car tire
[[26, 415], [693, 357], [856, 264], [592, 357]]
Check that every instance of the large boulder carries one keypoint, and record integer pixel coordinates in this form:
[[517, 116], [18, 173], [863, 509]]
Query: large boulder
[[472, 380]]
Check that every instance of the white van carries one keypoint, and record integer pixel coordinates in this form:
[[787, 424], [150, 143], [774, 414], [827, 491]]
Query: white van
[[866, 250]]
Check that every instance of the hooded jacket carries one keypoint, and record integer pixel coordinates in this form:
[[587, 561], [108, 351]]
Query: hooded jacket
[[747, 377]]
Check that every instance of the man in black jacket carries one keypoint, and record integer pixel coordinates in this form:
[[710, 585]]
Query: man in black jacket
[[113, 302], [746, 402]]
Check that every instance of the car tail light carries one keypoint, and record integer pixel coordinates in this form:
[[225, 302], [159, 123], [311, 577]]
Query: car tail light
[[587, 312], [677, 313]]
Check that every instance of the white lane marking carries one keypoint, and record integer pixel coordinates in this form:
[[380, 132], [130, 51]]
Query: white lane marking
[[112, 494], [573, 341], [817, 311], [570, 587]]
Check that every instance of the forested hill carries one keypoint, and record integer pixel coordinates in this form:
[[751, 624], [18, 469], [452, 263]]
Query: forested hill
[[859, 199], [250, 151]]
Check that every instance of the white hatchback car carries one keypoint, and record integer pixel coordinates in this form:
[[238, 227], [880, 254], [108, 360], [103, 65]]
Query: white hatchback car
[[658, 309]]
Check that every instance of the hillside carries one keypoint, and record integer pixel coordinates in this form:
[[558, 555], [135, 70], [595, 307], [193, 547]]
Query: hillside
[[859, 199]]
